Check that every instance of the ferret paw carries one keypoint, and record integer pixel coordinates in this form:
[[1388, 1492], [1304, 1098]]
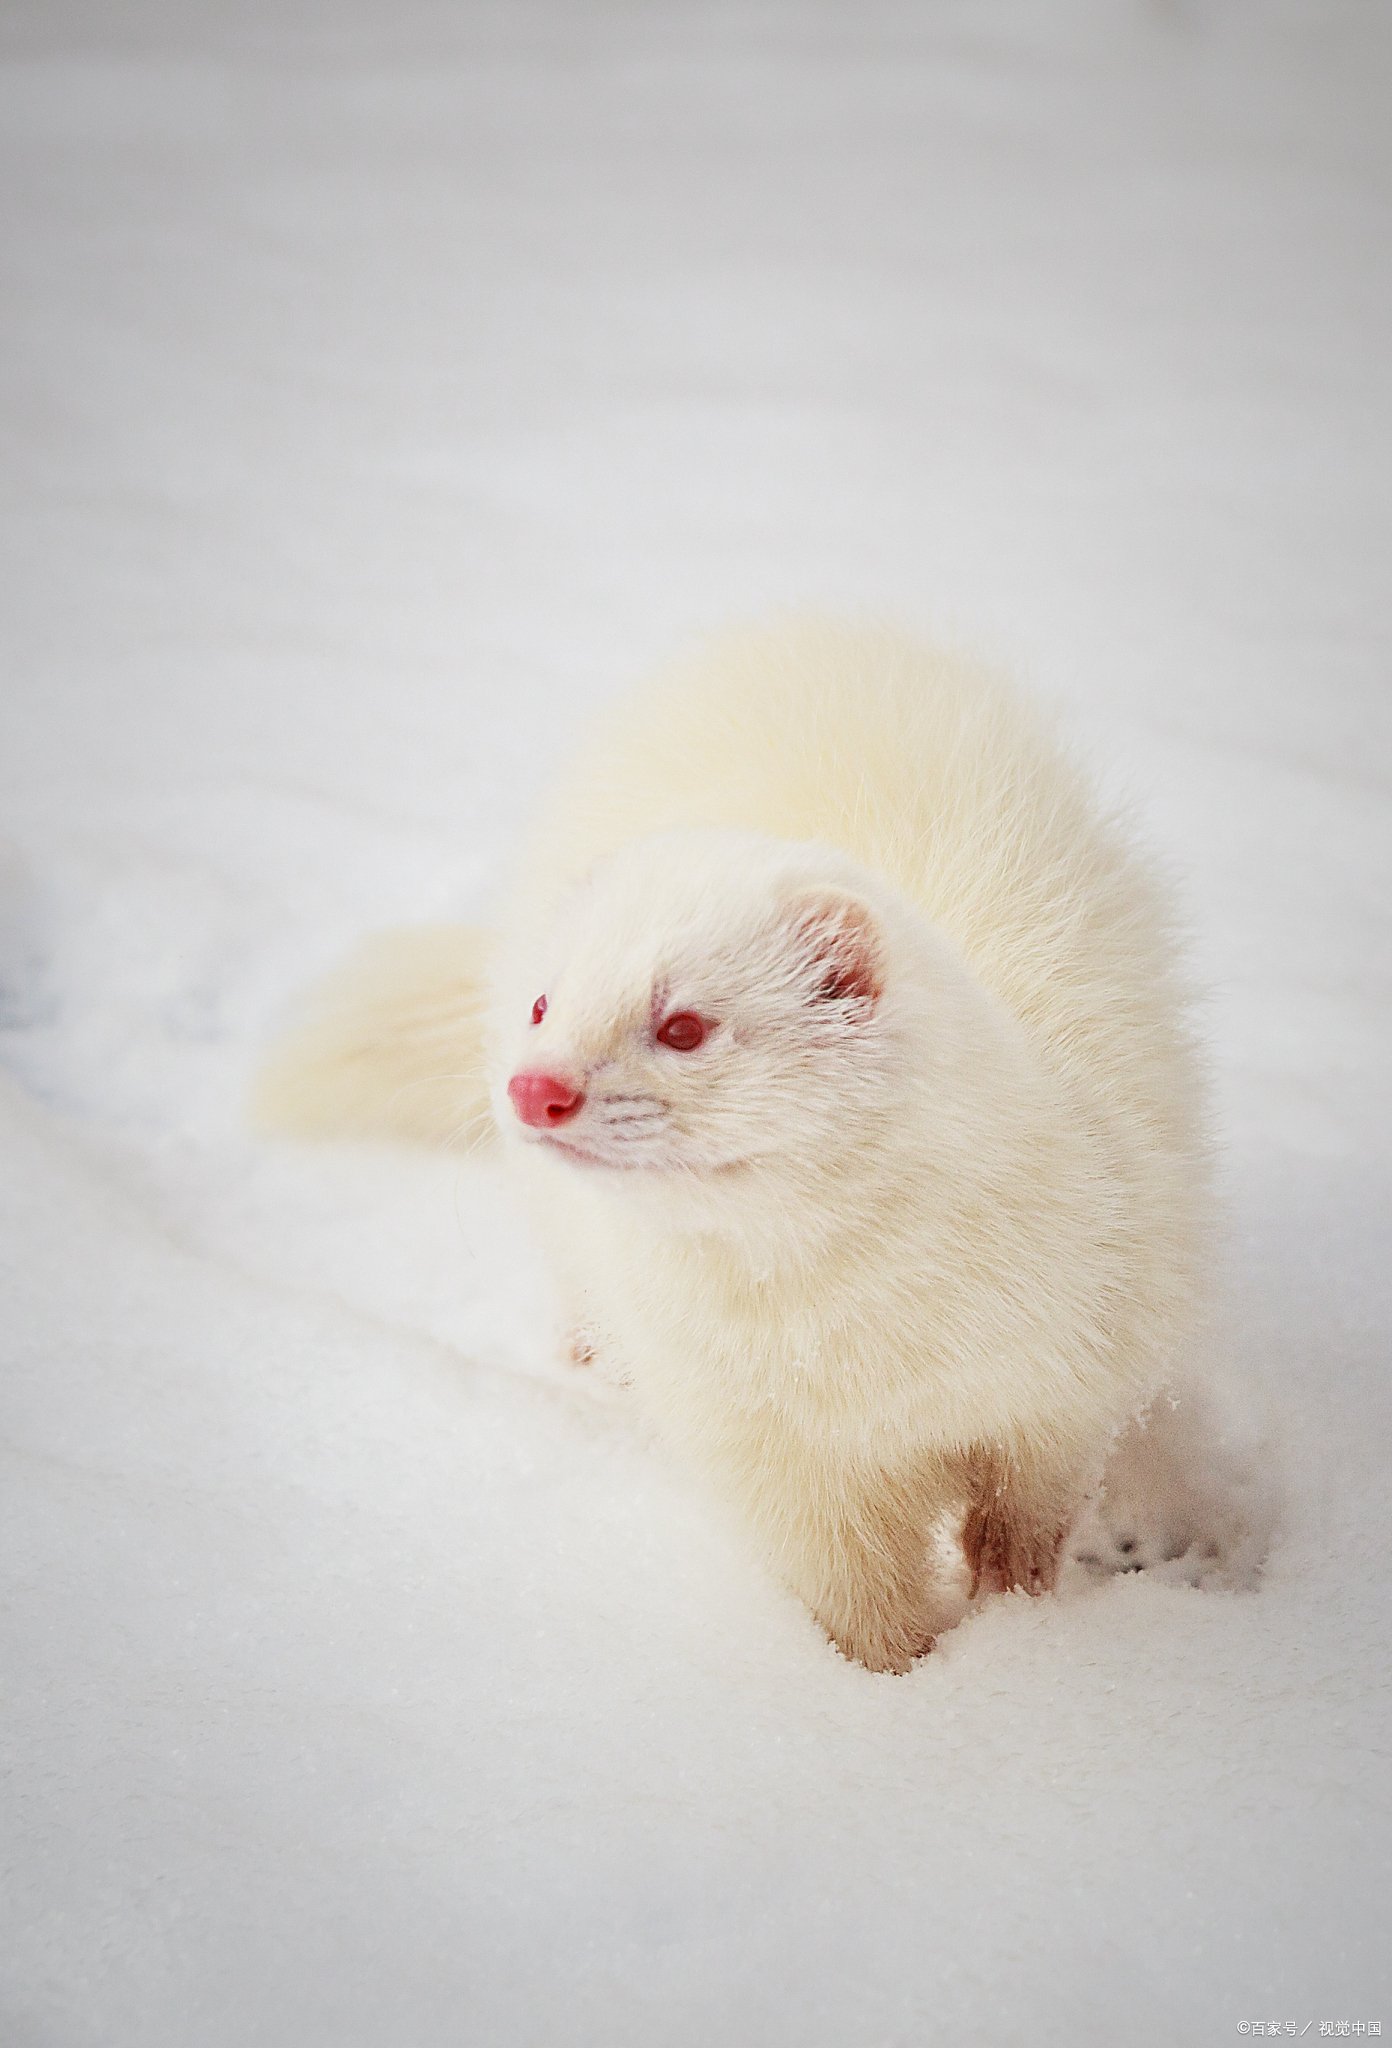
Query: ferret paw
[[1005, 1553], [896, 1654], [893, 1638], [585, 1355]]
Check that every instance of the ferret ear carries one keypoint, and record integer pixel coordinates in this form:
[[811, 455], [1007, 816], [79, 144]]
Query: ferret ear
[[841, 939]]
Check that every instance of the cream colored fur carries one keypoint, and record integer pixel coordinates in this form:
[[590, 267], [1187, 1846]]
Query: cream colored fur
[[390, 1046], [918, 1226]]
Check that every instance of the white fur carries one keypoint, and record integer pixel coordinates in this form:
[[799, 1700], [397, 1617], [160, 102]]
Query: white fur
[[885, 1260]]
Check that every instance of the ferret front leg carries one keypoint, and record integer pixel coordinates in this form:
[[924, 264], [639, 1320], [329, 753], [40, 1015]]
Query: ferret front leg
[[860, 1561], [1015, 1524]]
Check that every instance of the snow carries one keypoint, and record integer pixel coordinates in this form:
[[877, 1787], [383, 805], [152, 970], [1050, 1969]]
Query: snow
[[382, 388]]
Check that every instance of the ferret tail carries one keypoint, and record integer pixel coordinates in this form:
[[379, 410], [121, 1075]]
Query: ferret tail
[[390, 1046]]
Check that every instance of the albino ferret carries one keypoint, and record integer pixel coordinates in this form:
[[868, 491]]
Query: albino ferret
[[838, 1039]]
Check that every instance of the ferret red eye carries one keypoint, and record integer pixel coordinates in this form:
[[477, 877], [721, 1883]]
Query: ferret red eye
[[683, 1032], [538, 1009]]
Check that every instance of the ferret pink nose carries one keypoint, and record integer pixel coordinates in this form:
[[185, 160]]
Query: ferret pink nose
[[542, 1101]]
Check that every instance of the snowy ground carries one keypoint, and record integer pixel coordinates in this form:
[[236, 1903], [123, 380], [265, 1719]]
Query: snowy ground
[[382, 386]]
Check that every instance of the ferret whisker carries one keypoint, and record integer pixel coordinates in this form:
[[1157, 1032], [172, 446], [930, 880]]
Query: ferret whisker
[[474, 1132]]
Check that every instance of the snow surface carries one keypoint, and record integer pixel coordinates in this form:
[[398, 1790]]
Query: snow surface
[[382, 387]]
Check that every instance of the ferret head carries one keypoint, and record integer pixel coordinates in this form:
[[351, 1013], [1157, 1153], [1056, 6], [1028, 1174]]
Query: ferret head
[[706, 1001]]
